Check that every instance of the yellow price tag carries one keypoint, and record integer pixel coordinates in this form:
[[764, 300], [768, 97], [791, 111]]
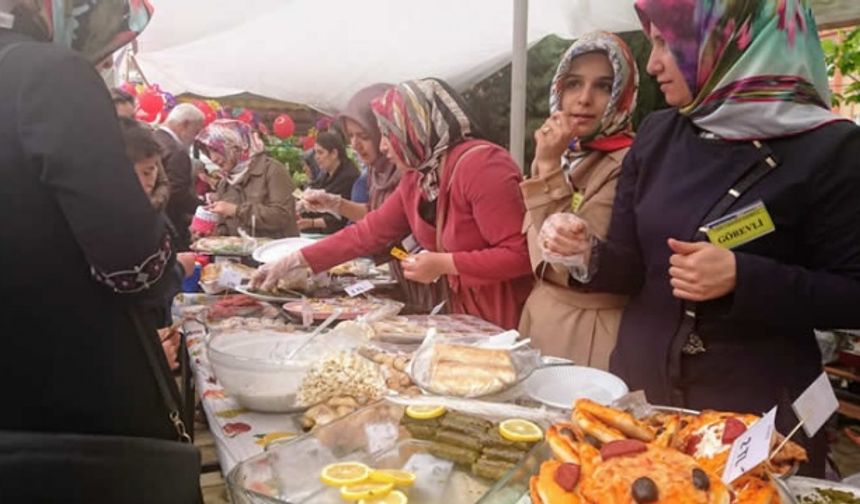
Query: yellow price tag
[[576, 201], [743, 226], [399, 253]]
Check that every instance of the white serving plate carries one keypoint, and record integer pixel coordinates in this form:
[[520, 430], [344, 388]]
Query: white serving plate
[[277, 249], [560, 386]]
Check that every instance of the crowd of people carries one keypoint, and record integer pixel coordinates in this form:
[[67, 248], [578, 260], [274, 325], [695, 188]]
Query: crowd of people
[[608, 254]]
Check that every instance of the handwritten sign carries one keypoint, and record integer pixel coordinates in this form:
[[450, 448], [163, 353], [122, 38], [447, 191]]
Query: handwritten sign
[[359, 288], [816, 405], [750, 448]]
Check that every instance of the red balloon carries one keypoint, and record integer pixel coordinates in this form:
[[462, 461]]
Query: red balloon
[[209, 116], [150, 102], [246, 117], [284, 127], [144, 116]]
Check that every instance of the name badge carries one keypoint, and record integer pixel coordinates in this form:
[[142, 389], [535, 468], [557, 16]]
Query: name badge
[[743, 226], [576, 201]]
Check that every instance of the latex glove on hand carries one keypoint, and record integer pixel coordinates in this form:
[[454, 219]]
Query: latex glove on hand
[[267, 276], [565, 239], [317, 200], [428, 267], [701, 271]]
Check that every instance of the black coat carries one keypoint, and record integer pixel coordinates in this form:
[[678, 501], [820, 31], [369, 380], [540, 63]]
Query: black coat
[[183, 202], [70, 202], [761, 349]]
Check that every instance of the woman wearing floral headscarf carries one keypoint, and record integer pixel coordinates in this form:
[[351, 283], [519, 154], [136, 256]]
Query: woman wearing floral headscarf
[[457, 195], [577, 162], [724, 304], [256, 191]]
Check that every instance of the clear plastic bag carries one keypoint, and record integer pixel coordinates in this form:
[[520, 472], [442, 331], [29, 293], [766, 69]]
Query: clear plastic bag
[[472, 366]]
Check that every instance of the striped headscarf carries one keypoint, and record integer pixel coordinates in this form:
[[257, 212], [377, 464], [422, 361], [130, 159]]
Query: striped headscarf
[[755, 67], [95, 28], [235, 140], [422, 119], [615, 129]]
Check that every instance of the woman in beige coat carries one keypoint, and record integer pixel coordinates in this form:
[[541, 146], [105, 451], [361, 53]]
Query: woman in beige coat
[[577, 162]]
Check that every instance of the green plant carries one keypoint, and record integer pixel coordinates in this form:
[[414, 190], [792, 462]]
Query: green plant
[[844, 57], [288, 153]]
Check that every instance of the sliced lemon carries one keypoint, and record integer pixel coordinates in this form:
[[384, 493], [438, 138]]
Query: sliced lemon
[[424, 412], [365, 491], [344, 473], [518, 430], [395, 497], [396, 476]]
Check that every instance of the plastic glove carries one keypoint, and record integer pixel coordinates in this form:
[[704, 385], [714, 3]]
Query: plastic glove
[[566, 240], [317, 200], [267, 276]]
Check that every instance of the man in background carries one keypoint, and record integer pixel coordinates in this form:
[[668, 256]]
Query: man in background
[[176, 137]]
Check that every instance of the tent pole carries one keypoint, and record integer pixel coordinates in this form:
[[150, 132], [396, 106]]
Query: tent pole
[[518, 81]]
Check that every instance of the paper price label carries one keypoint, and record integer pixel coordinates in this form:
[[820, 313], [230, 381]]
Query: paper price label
[[750, 448], [307, 313], [816, 405], [229, 278], [359, 288]]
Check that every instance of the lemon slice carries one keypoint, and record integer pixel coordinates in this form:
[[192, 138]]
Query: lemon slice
[[344, 473], [395, 497], [365, 491], [424, 412], [398, 477], [518, 430]]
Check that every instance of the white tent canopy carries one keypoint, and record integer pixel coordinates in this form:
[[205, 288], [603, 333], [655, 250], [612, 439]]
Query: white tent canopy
[[319, 52]]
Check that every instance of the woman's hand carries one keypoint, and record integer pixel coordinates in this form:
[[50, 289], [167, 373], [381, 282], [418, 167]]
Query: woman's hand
[[427, 267], [551, 140], [317, 200], [223, 208], [701, 271], [564, 235], [267, 276]]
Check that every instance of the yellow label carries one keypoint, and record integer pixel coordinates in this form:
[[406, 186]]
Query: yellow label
[[399, 253], [743, 226], [576, 201]]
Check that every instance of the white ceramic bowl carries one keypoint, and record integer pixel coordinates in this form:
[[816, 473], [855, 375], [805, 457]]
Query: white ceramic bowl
[[559, 387], [243, 363]]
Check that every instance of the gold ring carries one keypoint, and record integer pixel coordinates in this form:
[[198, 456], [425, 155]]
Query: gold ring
[[545, 129]]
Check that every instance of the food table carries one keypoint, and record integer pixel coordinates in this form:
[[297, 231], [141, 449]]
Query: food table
[[382, 436]]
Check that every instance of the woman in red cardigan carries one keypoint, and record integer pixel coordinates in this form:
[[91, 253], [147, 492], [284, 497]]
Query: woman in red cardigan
[[459, 196]]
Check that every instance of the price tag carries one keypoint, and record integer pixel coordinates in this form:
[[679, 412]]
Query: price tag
[[307, 313], [359, 288], [751, 448], [229, 278], [815, 405]]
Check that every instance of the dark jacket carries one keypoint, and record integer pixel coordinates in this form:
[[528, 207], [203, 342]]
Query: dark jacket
[[72, 204], [182, 202], [760, 344], [340, 182], [264, 198]]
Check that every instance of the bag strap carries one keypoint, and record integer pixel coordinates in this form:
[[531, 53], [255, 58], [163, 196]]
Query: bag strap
[[447, 183], [158, 366], [686, 341]]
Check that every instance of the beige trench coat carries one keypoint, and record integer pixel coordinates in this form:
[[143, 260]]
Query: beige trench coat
[[564, 321], [265, 199]]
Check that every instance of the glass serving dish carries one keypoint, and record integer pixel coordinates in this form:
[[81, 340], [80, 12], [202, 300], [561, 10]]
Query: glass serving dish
[[289, 472]]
